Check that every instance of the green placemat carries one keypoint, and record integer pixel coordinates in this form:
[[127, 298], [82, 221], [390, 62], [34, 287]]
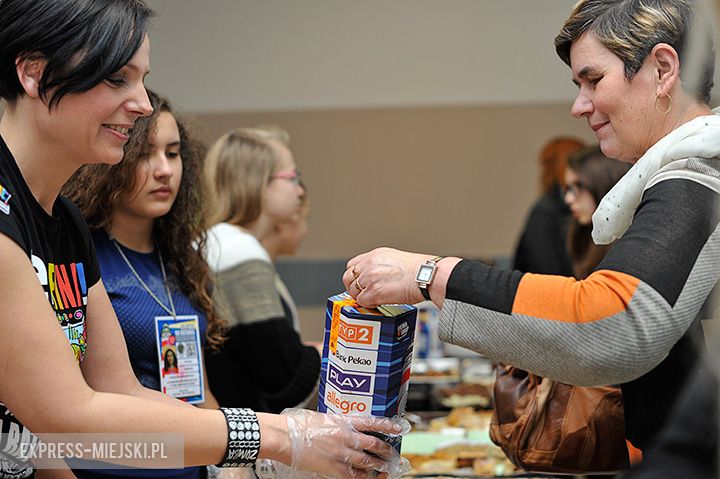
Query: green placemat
[[424, 443]]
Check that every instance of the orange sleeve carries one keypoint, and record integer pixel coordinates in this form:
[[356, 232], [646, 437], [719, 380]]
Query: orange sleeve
[[636, 455], [602, 294]]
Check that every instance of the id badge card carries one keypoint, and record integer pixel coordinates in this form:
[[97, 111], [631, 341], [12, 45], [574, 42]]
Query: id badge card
[[180, 357]]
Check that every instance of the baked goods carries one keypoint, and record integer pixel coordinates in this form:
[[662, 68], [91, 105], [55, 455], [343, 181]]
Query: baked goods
[[470, 450], [464, 417], [481, 459], [466, 394]]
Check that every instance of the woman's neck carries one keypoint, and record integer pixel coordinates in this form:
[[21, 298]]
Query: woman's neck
[[43, 167], [687, 110], [272, 246], [134, 233], [261, 228]]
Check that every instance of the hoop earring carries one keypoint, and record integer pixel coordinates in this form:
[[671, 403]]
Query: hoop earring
[[669, 107]]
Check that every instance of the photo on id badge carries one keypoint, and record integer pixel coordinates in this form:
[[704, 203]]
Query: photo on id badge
[[179, 359]]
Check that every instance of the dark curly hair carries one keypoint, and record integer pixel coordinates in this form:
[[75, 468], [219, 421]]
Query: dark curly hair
[[180, 234]]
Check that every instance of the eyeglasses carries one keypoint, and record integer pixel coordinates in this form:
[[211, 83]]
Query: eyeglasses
[[574, 188], [292, 176]]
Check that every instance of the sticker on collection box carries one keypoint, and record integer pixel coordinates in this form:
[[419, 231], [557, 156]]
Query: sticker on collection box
[[355, 359]]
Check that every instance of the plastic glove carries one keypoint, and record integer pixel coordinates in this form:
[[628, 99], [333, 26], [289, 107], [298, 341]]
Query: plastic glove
[[335, 446], [230, 472]]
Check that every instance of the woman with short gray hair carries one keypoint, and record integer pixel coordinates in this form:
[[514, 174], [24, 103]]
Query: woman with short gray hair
[[632, 321]]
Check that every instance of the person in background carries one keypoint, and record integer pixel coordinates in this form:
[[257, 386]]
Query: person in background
[[286, 236], [635, 320], [542, 247], [72, 78], [588, 177], [285, 240], [255, 186]]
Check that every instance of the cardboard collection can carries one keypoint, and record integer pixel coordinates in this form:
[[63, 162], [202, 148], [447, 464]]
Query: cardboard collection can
[[366, 358]]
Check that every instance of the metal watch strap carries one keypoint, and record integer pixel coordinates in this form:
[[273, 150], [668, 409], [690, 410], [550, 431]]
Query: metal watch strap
[[425, 291]]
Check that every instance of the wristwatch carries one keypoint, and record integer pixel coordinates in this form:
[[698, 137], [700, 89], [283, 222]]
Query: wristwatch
[[426, 274]]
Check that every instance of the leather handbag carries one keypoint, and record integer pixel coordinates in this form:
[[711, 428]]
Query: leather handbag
[[548, 426]]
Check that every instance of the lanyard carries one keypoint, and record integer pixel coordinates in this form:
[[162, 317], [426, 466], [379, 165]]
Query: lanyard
[[170, 310]]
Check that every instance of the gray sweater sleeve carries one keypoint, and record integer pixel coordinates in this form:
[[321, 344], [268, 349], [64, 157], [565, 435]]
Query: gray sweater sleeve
[[246, 293], [617, 324]]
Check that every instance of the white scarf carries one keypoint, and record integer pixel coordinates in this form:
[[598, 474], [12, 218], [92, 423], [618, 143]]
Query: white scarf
[[699, 137]]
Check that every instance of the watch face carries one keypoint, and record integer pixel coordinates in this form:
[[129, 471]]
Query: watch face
[[425, 273]]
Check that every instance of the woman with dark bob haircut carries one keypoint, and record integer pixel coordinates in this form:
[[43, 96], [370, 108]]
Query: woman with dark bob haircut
[[632, 321], [71, 74]]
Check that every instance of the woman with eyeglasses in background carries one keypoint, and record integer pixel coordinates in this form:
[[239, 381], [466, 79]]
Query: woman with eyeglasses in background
[[542, 247], [254, 185], [588, 177]]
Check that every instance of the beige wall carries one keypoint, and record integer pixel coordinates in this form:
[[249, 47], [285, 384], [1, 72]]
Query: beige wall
[[280, 55], [261, 55], [453, 180]]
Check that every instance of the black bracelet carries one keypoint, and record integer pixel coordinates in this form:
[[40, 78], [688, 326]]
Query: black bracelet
[[243, 443]]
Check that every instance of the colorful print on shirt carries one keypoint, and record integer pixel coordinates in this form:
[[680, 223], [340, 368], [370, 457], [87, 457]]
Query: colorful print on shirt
[[66, 289], [5, 200]]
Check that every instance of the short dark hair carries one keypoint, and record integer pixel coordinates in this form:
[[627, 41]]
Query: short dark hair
[[631, 28], [83, 42]]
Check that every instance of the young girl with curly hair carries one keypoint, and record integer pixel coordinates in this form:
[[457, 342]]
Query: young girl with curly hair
[[145, 219]]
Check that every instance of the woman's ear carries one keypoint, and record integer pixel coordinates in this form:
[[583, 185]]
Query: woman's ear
[[29, 72], [666, 67]]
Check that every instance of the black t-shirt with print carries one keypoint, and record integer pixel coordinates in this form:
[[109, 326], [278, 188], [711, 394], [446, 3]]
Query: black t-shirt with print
[[60, 249]]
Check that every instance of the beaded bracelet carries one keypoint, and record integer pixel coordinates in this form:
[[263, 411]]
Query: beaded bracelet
[[243, 443]]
